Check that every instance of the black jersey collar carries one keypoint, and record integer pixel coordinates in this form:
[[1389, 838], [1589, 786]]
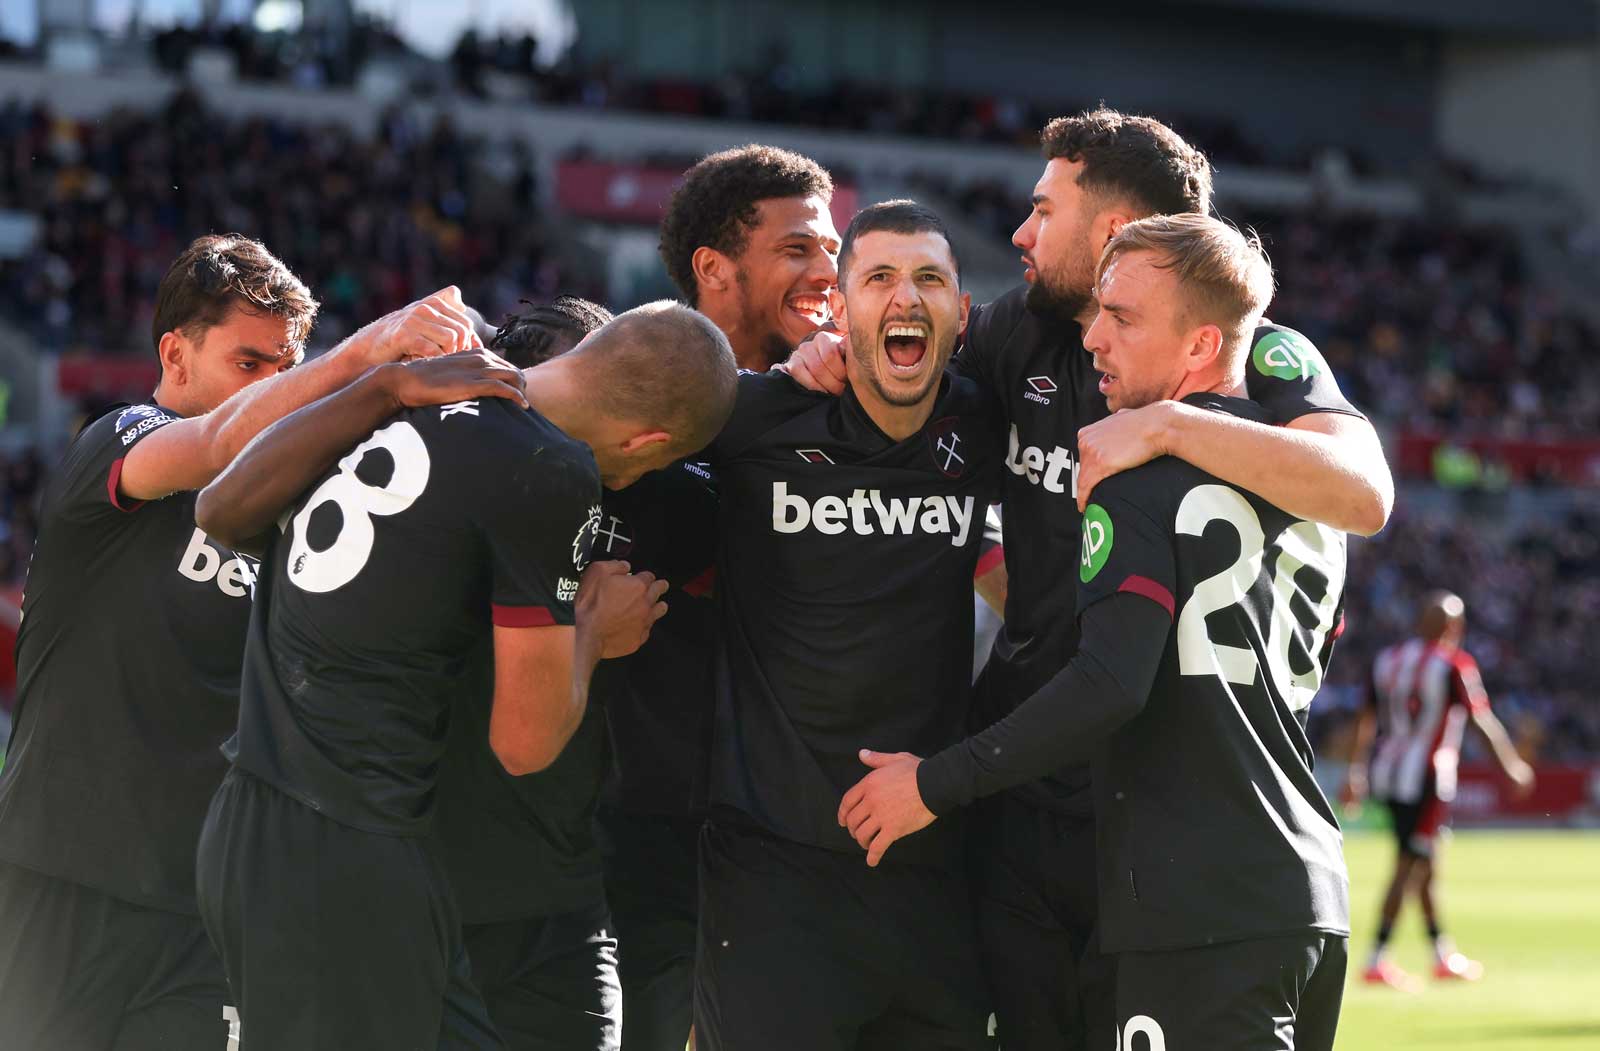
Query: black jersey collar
[[1243, 408], [858, 423]]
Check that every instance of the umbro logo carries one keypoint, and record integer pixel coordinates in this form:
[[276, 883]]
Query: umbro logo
[[814, 456], [1042, 386]]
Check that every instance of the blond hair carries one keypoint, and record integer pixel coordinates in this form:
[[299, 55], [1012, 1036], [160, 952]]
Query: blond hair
[[1224, 275]]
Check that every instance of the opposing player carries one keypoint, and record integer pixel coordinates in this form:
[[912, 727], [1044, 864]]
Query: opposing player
[[1422, 694], [850, 530], [444, 539], [1206, 617], [749, 240], [129, 660], [1035, 845]]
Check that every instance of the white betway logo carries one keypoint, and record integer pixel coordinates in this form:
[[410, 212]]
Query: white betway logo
[[1040, 467], [201, 563], [865, 512]]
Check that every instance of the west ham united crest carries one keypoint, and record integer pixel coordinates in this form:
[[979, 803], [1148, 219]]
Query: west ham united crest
[[949, 452], [614, 538]]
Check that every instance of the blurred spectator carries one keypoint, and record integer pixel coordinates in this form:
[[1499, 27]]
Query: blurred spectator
[[1533, 596], [370, 224]]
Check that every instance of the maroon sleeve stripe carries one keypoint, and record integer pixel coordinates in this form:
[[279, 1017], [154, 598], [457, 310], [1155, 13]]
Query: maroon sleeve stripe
[[988, 560], [113, 479], [522, 616], [1151, 590]]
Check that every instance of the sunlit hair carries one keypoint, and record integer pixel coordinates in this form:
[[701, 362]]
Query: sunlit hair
[[1223, 275], [1137, 159], [218, 273], [662, 365]]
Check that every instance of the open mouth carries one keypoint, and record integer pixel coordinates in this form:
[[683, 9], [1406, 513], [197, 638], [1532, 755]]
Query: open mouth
[[905, 345], [1107, 382], [813, 309]]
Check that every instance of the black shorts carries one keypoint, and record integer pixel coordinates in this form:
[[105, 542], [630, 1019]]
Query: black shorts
[[807, 949], [332, 938], [652, 885], [550, 981], [1034, 875], [1265, 994], [81, 969], [1417, 825]]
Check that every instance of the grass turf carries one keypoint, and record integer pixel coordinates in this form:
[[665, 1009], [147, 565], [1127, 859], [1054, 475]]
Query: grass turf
[[1527, 904]]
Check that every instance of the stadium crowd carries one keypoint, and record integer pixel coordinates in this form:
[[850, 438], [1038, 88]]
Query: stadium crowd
[[1531, 595], [372, 224]]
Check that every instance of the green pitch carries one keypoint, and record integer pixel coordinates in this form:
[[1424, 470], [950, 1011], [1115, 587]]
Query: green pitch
[[1527, 904]]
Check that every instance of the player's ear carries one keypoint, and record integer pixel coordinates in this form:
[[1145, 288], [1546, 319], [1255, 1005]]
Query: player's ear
[[647, 441], [174, 350], [966, 310], [713, 271], [836, 306], [1205, 344], [1108, 224]]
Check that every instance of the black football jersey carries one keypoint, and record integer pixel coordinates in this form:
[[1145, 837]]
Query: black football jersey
[[127, 678], [1047, 389], [844, 597], [658, 700], [519, 847], [1211, 826], [376, 600]]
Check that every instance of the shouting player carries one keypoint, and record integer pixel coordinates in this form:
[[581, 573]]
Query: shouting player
[[1035, 845], [1206, 618], [410, 557], [1422, 694], [129, 660], [850, 530]]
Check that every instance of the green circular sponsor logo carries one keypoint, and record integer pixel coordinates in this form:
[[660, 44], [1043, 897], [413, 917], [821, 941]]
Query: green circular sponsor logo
[[1287, 356], [1095, 546]]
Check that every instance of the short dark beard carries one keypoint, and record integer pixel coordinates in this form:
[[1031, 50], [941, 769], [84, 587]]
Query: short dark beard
[[1056, 305], [775, 346]]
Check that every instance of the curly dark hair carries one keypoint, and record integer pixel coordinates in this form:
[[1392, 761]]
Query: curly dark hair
[[221, 271], [1136, 157], [544, 331], [715, 205]]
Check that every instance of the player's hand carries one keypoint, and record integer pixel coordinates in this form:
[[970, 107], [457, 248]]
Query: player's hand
[[1120, 442], [1521, 777], [455, 377], [616, 608], [428, 328], [886, 805], [818, 363]]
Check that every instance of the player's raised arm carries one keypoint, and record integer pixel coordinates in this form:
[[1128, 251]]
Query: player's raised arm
[[240, 505], [189, 453], [1325, 464]]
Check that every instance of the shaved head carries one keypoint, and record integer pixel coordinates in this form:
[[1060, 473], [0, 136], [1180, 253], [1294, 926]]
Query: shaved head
[[1443, 617]]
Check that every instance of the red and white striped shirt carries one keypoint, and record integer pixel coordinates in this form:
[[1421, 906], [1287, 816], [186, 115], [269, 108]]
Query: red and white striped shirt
[[1424, 693]]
